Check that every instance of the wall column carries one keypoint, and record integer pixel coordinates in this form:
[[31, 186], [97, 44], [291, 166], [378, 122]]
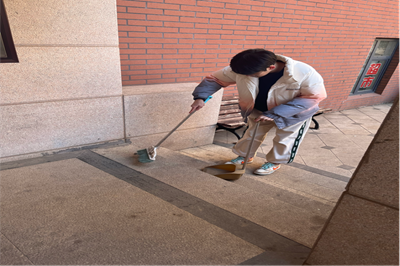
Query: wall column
[[364, 227]]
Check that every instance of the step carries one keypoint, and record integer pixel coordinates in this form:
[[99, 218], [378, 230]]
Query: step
[[183, 172], [73, 211], [306, 184]]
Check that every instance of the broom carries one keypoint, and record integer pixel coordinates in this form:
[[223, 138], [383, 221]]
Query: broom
[[149, 154]]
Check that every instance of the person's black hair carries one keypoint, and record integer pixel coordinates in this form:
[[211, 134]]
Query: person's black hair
[[252, 61]]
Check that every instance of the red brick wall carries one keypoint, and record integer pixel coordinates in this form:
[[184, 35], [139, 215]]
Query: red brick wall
[[173, 41]]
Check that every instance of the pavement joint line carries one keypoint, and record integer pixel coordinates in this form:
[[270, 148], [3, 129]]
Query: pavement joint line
[[232, 223], [334, 125], [19, 250], [360, 124], [320, 172], [330, 149], [298, 165], [39, 160], [370, 116]]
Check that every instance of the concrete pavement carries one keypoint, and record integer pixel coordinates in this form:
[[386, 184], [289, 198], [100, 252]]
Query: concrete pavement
[[101, 206]]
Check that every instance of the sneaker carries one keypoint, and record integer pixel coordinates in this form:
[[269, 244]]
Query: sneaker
[[240, 160], [267, 168]]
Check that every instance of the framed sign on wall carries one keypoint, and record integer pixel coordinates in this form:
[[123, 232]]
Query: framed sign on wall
[[7, 49], [375, 66]]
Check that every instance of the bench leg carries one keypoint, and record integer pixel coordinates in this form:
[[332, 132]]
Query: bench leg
[[247, 127], [316, 127], [232, 130]]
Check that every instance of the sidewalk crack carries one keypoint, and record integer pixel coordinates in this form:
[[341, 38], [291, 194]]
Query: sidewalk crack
[[19, 250]]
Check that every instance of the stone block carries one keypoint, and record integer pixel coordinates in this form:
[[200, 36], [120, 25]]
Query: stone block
[[28, 128], [54, 73], [377, 177], [360, 232], [152, 111], [85, 22]]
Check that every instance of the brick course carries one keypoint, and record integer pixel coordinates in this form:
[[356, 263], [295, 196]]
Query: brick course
[[172, 41]]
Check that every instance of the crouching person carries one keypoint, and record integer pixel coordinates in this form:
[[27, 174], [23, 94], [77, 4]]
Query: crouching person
[[274, 90]]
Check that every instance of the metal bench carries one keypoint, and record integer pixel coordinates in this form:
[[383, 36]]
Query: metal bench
[[230, 118]]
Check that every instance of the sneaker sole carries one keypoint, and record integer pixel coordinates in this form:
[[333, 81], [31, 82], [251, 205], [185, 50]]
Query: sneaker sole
[[255, 172]]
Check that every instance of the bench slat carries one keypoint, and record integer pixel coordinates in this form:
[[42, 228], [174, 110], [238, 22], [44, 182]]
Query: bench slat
[[229, 111], [227, 98], [230, 120], [230, 117], [229, 106], [233, 115], [229, 102]]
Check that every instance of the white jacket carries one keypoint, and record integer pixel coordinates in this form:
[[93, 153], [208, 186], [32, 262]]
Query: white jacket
[[292, 99]]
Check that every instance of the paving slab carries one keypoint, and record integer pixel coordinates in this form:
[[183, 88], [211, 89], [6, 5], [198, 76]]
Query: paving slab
[[71, 213], [294, 179], [278, 216], [360, 119], [371, 111], [325, 126], [302, 186], [358, 116], [344, 148], [294, 197], [383, 107], [230, 222], [295, 194], [355, 129], [362, 141], [339, 140]]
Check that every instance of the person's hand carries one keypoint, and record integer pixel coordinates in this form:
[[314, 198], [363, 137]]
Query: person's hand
[[263, 118], [197, 105]]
